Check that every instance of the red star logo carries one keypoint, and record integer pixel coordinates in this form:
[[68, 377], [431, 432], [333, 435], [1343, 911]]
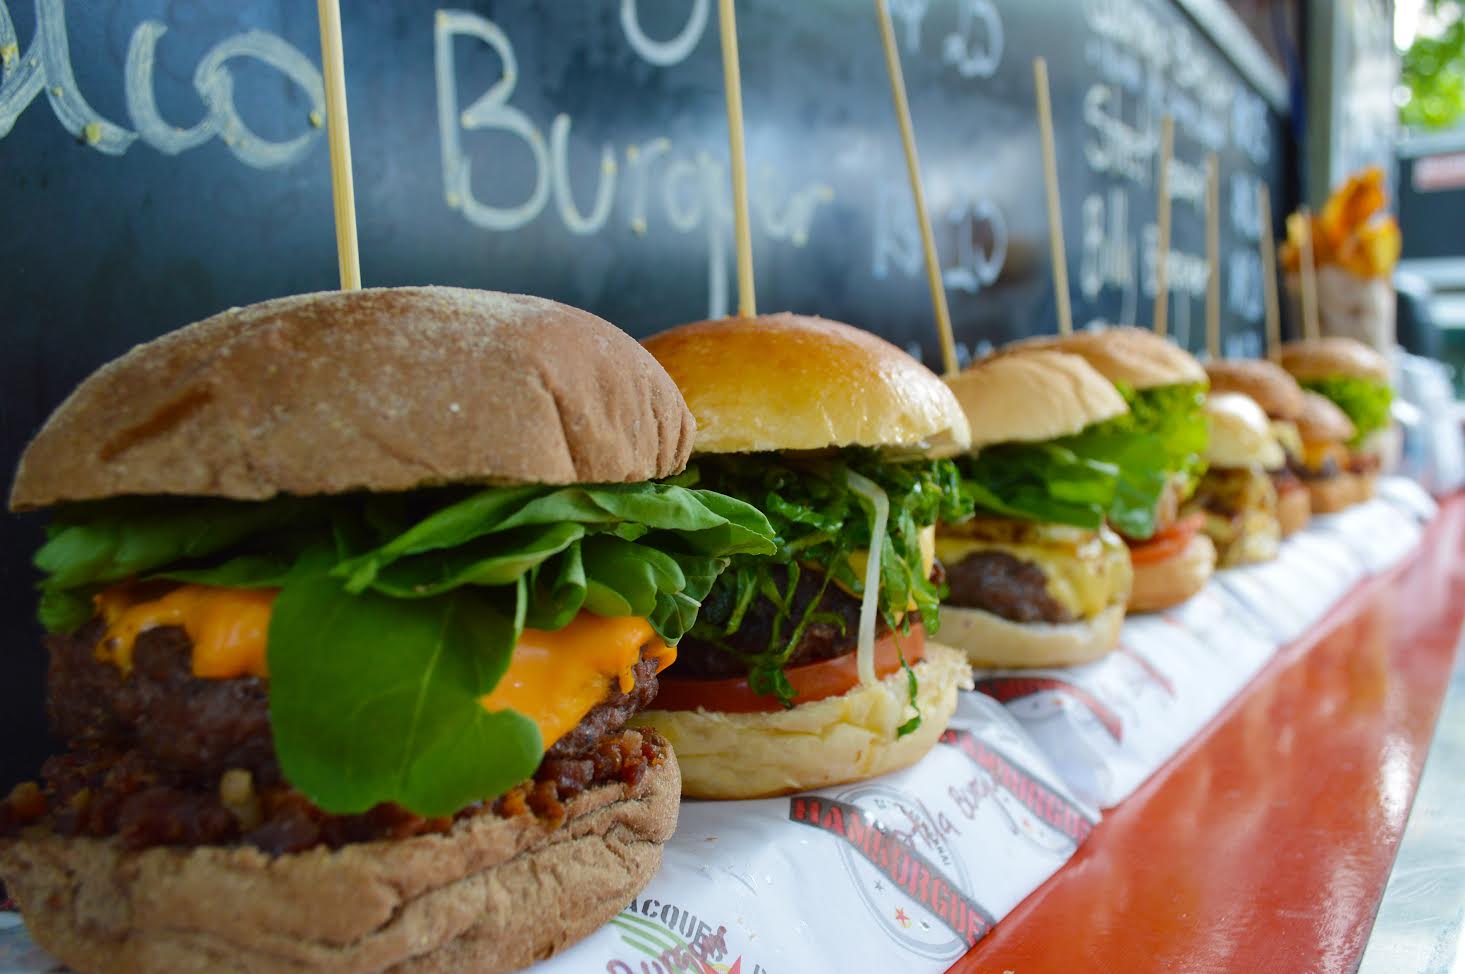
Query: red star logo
[[737, 966], [901, 917]]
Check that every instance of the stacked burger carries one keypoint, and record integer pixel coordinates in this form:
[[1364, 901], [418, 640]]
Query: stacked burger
[[812, 666], [1281, 398], [351, 596], [1355, 378]]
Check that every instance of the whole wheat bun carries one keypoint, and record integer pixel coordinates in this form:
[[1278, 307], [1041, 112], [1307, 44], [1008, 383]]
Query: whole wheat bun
[[1034, 397], [992, 641], [1268, 384], [827, 742], [1332, 494], [383, 390], [1134, 356], [1335, 355], [1294, 510], [1160, 584], [1240, 434], [492, 895], [793, 382], [1321, 421]]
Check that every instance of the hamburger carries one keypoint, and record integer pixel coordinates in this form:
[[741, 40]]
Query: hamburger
[[350, 597], [1236, 495], [1037, 577], [1356, 378], [1164, 387], [1280, 397], [811, 666], [1325, 431]]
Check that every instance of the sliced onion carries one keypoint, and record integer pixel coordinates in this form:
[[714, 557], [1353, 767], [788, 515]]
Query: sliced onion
[[865, 648]]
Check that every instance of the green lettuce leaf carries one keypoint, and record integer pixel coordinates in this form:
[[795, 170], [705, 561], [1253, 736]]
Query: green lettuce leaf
[[1365, 401]]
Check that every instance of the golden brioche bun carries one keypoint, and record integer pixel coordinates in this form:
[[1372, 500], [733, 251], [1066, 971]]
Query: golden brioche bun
[[1159, 585], [329, 393], [826, 742], [1367, 485], [1332, 494], [992, 641], [1321, 421], [1294, 510], [1335, 355], [1240, 434], [1134, 356], [793, 382], [1268, 384], [492, 895], [1034, 397]]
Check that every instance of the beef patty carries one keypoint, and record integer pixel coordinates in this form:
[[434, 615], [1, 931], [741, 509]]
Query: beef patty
[[1004, 585], [160, 757]]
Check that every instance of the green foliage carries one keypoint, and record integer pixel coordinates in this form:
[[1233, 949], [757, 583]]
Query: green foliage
[[1433, 69]]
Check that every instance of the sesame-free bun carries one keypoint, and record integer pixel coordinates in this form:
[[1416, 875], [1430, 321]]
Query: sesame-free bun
[[827, 742], [1160, 584], [1034, 397], [992, 641], [1240, 434], [492, 895], [1294, 510], [1322, 358], [793, 382], [1328, 495], [1267, 383], [1321, 421], [1123, 353], [384, 389]]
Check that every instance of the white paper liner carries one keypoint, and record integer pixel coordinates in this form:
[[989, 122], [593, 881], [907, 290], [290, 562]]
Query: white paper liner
[[814, 882]]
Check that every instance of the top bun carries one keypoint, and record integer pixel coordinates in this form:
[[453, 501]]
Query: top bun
[[1266, 383], [1334, 356], [1034, 397], [383, 390], [1321, 421], [1134, 356], [792, 382], [1240, 435]]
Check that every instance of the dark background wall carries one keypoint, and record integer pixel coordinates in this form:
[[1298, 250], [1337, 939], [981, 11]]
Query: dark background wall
[[159, 161]]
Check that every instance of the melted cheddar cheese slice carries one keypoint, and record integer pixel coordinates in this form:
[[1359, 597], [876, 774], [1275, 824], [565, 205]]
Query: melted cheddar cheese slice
[[860, 560], [554, 678]]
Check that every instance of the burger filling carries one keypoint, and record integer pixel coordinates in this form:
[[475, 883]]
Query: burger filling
[[1240, 507], [1365, 401], [853, 572], [297, 672]]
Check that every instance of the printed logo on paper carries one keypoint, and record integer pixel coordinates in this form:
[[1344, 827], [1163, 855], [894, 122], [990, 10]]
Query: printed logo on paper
[[1008, 689], [902, 864], [1038, 812], [669, 938]]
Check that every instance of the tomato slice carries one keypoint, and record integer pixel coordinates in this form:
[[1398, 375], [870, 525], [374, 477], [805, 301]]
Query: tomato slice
[[1169, 542], [811, 681]]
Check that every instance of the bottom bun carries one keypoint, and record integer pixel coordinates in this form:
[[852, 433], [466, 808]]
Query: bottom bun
[[1294, 510], [1259, 540], [827, 742], [1333, 494], [493, 895], [990, 640], [1367, 485], [1161, 584]]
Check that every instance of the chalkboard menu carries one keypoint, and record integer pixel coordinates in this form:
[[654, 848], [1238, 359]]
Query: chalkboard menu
[[160, 162]]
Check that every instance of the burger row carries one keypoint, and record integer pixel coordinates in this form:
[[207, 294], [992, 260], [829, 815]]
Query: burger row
[[388, 628]]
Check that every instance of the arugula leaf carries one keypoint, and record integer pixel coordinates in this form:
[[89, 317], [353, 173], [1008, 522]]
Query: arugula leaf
[[375, 699], [819, 521], [1365, 401]]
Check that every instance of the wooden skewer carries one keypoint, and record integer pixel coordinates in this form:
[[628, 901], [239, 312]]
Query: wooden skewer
[[1213, 257], [338, 136], [1162, 243], [913, 170], [732, 85], [1050, 185], [1308, 272], [1269, 272]]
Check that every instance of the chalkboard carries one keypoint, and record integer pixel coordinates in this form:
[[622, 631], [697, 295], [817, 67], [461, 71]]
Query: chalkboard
[[162, 161]]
